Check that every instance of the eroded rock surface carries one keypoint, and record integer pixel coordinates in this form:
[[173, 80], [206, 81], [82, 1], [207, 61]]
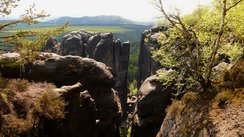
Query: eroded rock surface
[[92, 108], [147, 65], [150, 109], [103, 48]]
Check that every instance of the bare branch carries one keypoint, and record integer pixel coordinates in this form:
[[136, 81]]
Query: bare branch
[[216, 44], [182, 24], [167, 17], [227, 9], [9, 24]]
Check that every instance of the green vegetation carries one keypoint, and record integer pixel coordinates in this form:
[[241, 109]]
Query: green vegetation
[[12, 62], [195, 43], [20, 39], [133, 88], [133, 68]]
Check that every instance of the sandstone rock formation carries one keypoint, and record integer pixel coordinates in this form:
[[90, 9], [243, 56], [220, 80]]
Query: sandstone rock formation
[[147, 65], [93, 107], [101, 47], [52, 45], [60, 70], [150, 109], [205, 115]]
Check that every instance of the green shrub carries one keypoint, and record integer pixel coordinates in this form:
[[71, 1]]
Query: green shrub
[[12, 62], [133, 88]]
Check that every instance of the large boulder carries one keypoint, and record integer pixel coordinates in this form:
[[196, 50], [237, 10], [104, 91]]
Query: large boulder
[[150, 109], [63, 70], [60, 70]]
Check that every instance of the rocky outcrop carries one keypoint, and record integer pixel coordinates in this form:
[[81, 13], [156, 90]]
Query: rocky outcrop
[[92, 108], [60, 70], [147, 65], [205, 115], [101, 47], [150, 108], [52, 45], [216, 112], [66, 70]]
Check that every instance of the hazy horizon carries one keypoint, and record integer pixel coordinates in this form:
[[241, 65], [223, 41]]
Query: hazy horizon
[[136, 10]]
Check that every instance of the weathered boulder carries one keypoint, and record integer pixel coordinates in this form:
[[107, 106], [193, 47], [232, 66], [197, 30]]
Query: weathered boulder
[[150, 109], [75, 43], [60, 70], [66, 70], [10, 65], [147, 65], [101, 47]]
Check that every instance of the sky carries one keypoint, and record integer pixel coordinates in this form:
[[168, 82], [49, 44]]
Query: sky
[[137, 10]]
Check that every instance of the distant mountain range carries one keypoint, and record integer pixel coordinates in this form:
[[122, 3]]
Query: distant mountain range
[[96, 20]]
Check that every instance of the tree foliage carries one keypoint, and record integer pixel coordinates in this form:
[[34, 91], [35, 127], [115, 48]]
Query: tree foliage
[[197, 42], [26, 42]]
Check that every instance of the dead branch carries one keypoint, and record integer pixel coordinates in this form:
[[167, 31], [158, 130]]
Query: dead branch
[[227, 9]]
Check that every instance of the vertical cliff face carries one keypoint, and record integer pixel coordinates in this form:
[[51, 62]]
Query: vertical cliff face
[[103, 48], [147, 65], [150, 108], [153, 97]]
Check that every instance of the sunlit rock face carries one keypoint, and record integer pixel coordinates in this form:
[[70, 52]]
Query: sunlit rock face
[[103, 48]]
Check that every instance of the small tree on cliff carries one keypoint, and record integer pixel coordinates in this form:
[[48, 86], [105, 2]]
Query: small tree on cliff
[[26, 42], [194, 44]]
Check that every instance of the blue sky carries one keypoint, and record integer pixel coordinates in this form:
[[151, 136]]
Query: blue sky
[[138, 10]]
